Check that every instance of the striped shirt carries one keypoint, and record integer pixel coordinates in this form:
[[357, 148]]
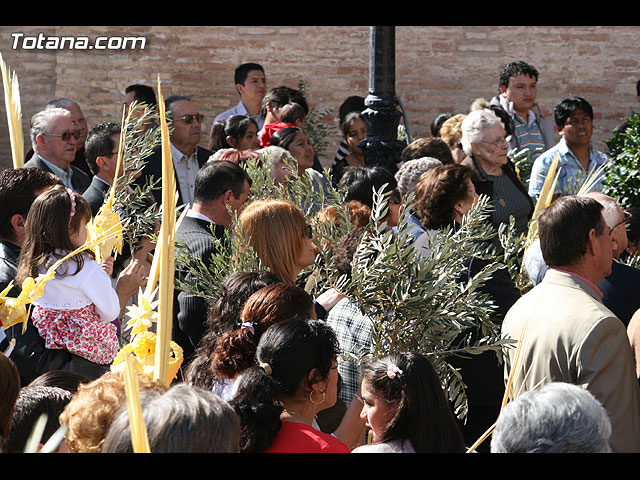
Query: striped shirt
[[529, 134]]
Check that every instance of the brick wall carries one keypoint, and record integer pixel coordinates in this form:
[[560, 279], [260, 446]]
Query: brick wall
[[438, 68]]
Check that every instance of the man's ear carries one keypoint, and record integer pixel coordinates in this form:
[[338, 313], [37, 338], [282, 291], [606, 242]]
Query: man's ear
[[226, 197], [17, 222]]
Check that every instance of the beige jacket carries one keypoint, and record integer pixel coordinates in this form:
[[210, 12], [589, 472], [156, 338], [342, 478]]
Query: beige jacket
[[572, 337]]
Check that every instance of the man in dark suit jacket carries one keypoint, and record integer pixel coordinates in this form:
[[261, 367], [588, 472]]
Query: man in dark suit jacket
[[54, 141], [218, 185], [188, 156], [102, 157]]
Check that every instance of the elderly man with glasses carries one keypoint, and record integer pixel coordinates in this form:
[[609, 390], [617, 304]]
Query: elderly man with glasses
[[188, 156], [54, 141]]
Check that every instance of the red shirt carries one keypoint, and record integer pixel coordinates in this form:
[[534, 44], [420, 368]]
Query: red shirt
[[295, 437]]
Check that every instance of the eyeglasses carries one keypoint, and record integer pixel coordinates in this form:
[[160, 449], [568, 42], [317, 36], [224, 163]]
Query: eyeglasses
[[626, 219], [189, 118], [65, 136], [500, 142], [308, 231]]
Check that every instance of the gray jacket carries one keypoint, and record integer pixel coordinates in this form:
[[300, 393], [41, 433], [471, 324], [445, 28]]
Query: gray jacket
[[546, 127]]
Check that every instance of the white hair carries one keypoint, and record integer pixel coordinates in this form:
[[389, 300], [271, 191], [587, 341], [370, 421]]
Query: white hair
[[557, 418], [409, 173], [610, 208], [278, 157], [41, 122], [474, 126]]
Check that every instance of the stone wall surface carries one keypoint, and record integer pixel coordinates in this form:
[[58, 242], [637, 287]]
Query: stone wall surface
[[438, 68]]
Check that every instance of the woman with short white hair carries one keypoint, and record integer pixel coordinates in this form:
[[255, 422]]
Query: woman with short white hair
[[485, 142]]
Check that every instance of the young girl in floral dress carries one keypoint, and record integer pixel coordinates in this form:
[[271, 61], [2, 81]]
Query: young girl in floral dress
[[79, 306]]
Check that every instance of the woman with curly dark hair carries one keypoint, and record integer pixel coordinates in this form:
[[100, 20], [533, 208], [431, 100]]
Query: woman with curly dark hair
[[235, 350], [223, 316], [443, 196]]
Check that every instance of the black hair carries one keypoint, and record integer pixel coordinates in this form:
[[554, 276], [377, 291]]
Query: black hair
[[437, 123], [242, 71], [354, 103], [423, 414], [568, 106], [215, 178], [361, 180], [142, 94], [99, 143], [516, 68], [286, 354], [33, 402], [234, 126], [282, 95], [18, 189]]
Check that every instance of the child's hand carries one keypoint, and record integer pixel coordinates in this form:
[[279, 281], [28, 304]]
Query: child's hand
[[107, 265]]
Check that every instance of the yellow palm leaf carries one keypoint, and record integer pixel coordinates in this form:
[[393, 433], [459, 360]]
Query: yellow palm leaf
[[14, 113]]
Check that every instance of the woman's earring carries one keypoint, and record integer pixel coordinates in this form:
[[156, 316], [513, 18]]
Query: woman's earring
[[311, 397]]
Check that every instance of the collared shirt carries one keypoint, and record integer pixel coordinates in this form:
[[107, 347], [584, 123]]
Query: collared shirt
[[572, 174], [527, 132], [193, 214], [586, 280], [353, 331], [186, 168], [240, 109], [63, 175]]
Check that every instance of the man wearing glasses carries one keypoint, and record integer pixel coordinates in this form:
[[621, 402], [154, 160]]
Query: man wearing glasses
[[188, 156], [54, 141], [578, 158]]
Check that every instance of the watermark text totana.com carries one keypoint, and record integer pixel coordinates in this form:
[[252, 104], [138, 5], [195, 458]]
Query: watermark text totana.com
[[41, 41]]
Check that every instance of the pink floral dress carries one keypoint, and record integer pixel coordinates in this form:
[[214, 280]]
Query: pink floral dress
[[76, 311]]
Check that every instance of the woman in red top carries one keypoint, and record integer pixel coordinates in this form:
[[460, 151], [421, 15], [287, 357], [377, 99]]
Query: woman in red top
[[295, 378]]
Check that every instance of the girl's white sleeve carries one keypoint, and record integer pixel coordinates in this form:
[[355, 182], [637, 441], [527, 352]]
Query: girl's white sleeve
[[98, 288]]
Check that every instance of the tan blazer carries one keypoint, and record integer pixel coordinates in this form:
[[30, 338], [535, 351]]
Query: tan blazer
[[572, 337]]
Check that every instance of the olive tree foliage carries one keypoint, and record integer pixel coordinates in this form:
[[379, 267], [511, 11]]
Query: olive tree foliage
[[414, 302]]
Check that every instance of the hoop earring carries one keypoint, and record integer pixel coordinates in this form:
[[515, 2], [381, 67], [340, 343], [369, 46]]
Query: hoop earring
[[324, 395]]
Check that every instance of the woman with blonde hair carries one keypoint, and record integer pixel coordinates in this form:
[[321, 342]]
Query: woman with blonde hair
[[280, 236]]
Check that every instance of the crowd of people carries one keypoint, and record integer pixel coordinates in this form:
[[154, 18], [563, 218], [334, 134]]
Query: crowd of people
[[267, 366]]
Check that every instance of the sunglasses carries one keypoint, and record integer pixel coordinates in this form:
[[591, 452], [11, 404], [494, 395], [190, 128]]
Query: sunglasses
[[308, 231], [65, 136], [189, 118]]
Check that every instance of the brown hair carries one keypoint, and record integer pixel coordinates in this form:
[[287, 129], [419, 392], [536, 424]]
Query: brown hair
[[272, 304], [437, 191], [275, 229], [52, 216]]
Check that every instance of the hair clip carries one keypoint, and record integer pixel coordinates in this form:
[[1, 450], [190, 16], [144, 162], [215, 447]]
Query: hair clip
[[392, 371], [266, 367], [73, 203], [248, 326]]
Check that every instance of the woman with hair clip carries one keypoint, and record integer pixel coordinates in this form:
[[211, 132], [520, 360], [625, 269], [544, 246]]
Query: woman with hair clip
[[405, 407], [235, 350], [294, 378], [237, 131], [222, 317]]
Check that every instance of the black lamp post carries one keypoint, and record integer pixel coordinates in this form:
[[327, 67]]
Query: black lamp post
[[381, 115]]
